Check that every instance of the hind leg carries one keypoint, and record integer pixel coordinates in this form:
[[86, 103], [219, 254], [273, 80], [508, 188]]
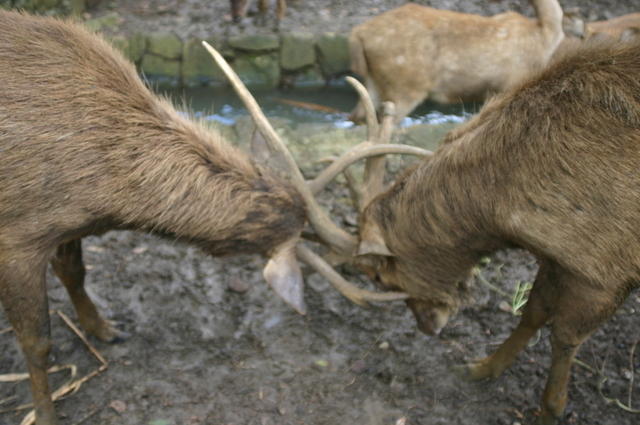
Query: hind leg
[[69, 267], [23, 296]]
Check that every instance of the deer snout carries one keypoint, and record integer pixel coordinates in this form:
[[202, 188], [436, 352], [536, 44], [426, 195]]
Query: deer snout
[[430, 319]]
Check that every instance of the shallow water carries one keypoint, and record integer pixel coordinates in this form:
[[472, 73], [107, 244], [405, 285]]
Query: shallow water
[[330, 104]]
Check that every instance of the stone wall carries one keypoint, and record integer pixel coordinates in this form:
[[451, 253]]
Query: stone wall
[[267, 61]]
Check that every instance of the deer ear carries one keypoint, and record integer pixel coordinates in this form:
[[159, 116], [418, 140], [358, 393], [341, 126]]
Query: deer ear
[[372, 241], [283, 274]]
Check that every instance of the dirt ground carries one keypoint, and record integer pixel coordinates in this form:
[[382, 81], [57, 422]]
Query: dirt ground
[[211, 344]]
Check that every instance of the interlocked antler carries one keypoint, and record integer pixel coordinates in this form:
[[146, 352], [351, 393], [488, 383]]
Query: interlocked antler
[[338, 240]]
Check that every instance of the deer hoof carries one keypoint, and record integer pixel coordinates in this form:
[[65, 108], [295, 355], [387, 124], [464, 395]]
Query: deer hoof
[[473, 371], [108, 332]]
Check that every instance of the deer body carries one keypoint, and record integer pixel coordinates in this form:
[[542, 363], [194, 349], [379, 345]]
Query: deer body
[[622, 27], [414, 52], [550, 166], [85, 147]]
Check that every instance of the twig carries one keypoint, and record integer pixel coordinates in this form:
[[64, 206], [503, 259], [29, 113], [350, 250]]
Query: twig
[[89, 415], [4, 331], [8, 399], [633, 371], [483, 280], [603, 379]]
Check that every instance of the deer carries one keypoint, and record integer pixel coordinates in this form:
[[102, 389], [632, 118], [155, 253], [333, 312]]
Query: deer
[[548, 165], [239, 9], [413, 53], [88, 148], [622, 28]]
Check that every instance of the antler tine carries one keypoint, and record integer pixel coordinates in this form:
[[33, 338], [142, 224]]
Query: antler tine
[[369, 108], [356, 295], [338, 239], [358, 152], [375, 167]]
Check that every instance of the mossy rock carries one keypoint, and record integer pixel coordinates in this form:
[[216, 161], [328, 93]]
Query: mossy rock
[[298, 51], [309, 77], [163, 70], [258, 70], [136, 46], [255, 42], [107, 23], [198, 67], [333, 52], [166, 45]]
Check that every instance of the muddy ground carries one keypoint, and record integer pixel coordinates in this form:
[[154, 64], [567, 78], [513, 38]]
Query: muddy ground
[[211, 344]]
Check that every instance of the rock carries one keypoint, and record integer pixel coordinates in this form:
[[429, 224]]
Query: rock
[[310, 77], [255, 42], [298, 51], [258, 70], [160, 69], [107, 23], [166, 45], [333, 54], [136, 46], [198, 67]]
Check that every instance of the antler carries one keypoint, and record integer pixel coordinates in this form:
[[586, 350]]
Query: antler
[[342, 243]]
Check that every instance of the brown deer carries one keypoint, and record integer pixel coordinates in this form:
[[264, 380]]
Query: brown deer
[[413, 53], [549, 166], [87, 148]]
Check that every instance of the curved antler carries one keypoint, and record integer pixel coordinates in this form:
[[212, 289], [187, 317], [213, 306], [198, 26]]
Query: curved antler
[[341, 242]]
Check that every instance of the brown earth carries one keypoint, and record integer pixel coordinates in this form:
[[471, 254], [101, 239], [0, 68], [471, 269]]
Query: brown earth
[[204, 351]]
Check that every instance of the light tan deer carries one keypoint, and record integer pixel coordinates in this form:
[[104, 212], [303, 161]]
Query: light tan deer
[[620, 28], [413, 53]]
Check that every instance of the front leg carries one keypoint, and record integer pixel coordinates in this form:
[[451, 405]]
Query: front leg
[[581, 309], [69, 267], [536, 313]]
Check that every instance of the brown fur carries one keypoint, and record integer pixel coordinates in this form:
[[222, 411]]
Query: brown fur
[[414, 52], [85, 148], [550, 166]]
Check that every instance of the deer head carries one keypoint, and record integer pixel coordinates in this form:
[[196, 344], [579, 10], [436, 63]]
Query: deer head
[[281, 271]]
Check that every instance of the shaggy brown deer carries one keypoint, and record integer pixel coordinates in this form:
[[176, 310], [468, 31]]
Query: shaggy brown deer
[[86, 148], [413, 53], [549, 166]]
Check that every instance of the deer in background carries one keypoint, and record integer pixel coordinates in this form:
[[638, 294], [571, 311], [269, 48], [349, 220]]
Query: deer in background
[[621, 28], [87, 148], [413, 53], [239, 8]]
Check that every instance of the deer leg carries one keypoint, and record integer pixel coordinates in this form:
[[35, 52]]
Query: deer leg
[[580, 310], [281, 9], [23, 296], [535, 314], [69, 267]]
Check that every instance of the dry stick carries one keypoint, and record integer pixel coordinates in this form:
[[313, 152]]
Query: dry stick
[[603, 379], [71, 387], [4, 331], [633, 371]]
